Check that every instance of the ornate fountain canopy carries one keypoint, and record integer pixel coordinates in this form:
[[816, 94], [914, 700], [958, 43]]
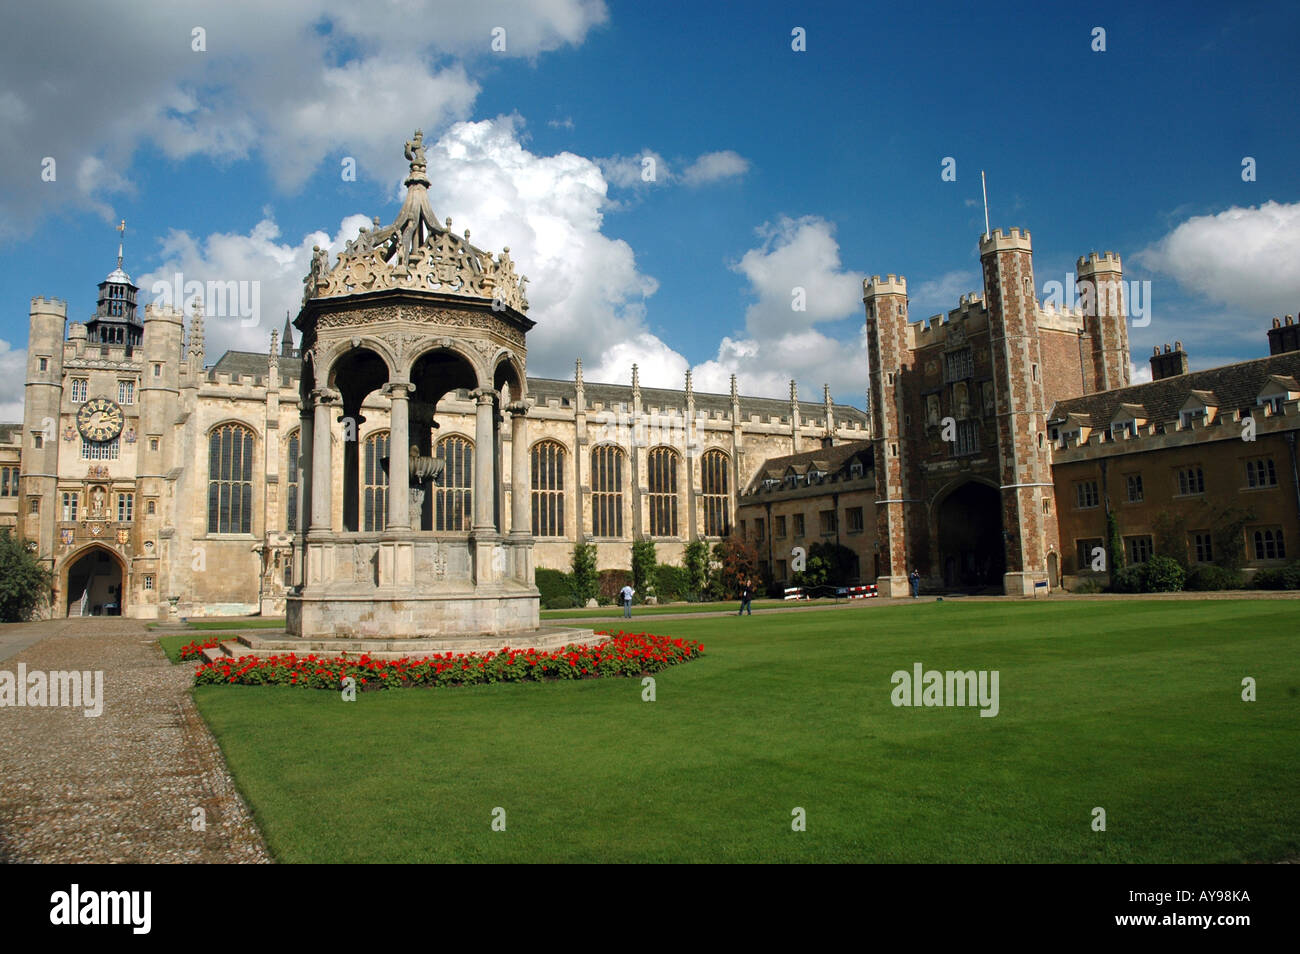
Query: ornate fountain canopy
[[416, 253]]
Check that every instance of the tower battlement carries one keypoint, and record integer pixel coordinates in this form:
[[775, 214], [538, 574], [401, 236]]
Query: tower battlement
[[875, 286], [50, 306], [166, 313], [1012, 239], [1092, 262]]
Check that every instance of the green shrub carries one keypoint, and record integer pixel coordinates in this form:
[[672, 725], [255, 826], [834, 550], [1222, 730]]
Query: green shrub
[[697, 570], [611, 582], [1115, 547], [583, 580], [25, 582], [672, 583], [1283, 578], [643, 568], [1228, 537], [1126, 579], [1207, 576], [556, 589], [1161, 574], [1087, 585]]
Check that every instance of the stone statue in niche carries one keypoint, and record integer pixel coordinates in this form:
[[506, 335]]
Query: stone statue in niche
[[961, 400], [932, 410]]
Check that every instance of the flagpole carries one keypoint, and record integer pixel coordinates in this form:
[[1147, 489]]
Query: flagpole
[[984, 188]]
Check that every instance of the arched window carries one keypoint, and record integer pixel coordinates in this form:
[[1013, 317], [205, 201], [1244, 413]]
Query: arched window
[[607, 491], [714, 485], [230, 479], [548, 489], [662, 483], [374, 483], [453, 500], [291, 487]]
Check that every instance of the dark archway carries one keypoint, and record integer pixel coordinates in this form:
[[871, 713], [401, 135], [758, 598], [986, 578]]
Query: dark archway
[[355, 374], [972, 554], [93, 584], [435, 374]]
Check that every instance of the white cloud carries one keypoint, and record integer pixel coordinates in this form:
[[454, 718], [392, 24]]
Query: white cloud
[[13, 372], [314, 79], [645, 169], [715, 166], [276, 267], [781, 344], [797, 254], [941, 295], [1246, 257], [586, 293], [658, 366], [648, 168], [1139, 373]]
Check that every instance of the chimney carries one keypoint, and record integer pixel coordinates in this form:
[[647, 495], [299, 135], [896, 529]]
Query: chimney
[[1168, 363], [1283, 337]]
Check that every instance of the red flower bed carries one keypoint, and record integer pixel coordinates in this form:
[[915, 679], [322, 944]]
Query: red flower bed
[[194, 650], [622, 654]]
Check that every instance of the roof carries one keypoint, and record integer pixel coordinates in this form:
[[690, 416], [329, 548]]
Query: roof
[[831, 460], [1234, 385], [237, 363], [613, 394]]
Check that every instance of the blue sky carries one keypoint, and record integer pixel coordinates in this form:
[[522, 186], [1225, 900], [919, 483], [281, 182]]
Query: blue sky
[[774, 168]]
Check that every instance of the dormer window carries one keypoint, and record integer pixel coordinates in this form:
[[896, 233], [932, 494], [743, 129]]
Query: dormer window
[[855, 469], [1277, 391], [1191, 417], [1121, 429]]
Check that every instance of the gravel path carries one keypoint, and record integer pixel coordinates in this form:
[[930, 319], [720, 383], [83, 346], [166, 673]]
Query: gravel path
[[121, 787]]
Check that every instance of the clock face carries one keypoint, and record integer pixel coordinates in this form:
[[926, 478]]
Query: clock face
[[99, 419]]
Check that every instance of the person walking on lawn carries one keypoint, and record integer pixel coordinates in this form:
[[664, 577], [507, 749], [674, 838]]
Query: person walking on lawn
[[746, 595], [626, 594]]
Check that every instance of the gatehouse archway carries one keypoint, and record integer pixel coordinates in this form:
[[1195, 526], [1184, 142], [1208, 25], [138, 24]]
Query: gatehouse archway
[[972, 554], [93, 583]]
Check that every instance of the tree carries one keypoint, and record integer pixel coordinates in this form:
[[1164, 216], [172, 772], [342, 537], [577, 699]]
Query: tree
[[696, 560], [25, 582], [643, 567], [1228, 539], [585, 580], [738, 560], [841, 562], [816, 573], [1114, 544], [1171, 538]]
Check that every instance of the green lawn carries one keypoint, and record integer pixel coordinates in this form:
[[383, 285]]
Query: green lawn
[[616, 612], [1131, 706], [171, 645]]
